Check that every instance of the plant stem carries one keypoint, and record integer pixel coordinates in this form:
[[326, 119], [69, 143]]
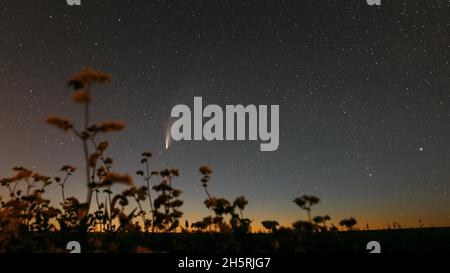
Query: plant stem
[[86, 152], [149, 176], [110, 207], [62, 192], [140, 211], [88, 176], [62, 187]]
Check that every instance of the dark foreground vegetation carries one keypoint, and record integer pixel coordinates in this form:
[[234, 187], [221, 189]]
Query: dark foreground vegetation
[[419, 240]]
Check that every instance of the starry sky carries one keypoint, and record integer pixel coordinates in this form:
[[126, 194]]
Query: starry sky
[[363, 94]]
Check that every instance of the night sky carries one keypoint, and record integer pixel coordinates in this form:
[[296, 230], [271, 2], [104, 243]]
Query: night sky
[[363, 93]]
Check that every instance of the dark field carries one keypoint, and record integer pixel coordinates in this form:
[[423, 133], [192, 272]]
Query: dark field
[[418, 240]]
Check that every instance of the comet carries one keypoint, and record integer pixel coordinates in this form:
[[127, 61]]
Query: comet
[[168, 141], [168, 138]]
